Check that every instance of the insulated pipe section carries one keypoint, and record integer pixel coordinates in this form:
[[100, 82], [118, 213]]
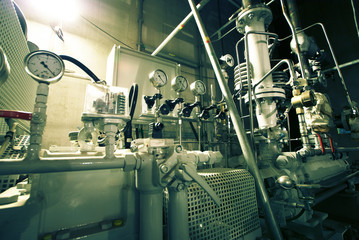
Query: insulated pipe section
[[238, 126], [178, 213], [178, 28]]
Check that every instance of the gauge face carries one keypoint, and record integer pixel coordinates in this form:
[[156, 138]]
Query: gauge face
[[44, 66], [198, 88], [158, 78], [179, 84], [228, 59]]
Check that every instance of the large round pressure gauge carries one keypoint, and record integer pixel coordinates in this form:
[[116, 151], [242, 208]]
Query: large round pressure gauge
[[158, 78], [44, 66], [179, 84], [198, 88]]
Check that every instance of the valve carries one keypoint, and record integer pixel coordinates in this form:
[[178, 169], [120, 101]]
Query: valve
[[164, 109], [155, 129], [172, 103], [187, 110], [150, 100], [205, 112]]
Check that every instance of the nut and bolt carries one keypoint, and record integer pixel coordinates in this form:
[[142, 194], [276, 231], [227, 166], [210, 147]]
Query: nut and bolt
[[179, 148], [180, 187], [164, 168]]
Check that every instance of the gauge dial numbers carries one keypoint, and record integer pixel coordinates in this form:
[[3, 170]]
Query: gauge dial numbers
[[158, 78], [179, 84], [44, 66], [198, 88]]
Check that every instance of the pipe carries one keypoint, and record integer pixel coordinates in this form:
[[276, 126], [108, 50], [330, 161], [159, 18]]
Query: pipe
[[238, 126], [9, 135], [151, 208], [178, 214], [335, 62], [38, 122], [292, 9], [295, 37], [140, 22], [342, 66], [178, 28], [327, 194], [49, 165]]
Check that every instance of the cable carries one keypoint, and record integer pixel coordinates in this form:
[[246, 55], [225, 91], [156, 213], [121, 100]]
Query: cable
[[132, 96], [355, 18], [108, 34], [82, 66]]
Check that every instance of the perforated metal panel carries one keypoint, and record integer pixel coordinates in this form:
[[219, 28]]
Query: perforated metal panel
[[236, 218], [238, 214], [18, 92]]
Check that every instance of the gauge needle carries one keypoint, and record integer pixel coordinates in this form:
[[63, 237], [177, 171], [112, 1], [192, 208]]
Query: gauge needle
[[160, 77], [45, 66]]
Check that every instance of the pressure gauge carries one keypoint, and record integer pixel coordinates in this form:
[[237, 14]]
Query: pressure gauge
[[198, 88], [227, 60], [44, 66], [179, 84], [158, 78]]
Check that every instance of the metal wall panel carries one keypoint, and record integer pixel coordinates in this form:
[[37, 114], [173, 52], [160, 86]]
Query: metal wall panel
[[18, 92]]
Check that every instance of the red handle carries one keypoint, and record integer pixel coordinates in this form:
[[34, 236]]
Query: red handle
[[15, 114]]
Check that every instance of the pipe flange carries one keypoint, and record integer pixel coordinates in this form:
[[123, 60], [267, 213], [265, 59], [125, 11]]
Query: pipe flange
[[259, 12]]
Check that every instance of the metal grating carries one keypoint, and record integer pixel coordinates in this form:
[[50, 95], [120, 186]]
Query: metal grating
[[18, 92], [238, 214], [236, 218]]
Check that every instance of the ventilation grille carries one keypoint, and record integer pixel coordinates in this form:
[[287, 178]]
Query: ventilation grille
[[235, 218], [18, 92]]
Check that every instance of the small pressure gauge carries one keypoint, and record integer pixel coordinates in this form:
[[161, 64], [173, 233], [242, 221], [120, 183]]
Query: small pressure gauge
[[198, 88], [44, 66], [158, 78], [227, 60], [179, 83]]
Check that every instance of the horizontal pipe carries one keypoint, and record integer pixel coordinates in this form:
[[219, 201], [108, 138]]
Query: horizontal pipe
[[327, 194], [9, 167], [348, 64]]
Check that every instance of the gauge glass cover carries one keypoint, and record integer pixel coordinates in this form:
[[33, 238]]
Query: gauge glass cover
[[158, 78], [44, 66], [198, 88], [179, 84]]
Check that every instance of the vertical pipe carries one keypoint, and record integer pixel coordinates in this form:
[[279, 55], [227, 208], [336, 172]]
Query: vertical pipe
[[303, 130], [151, 199], [140, 22], [178, 214], [110, 131], [238, 126], [304, 72], [151, 204], [38, 122]]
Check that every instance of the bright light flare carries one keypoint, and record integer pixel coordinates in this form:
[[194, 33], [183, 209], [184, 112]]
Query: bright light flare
[[55, 10]]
